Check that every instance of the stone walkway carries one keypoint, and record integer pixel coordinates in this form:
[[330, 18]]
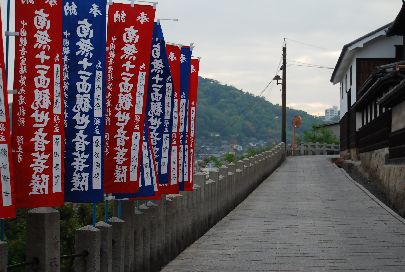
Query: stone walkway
[[307, 216]]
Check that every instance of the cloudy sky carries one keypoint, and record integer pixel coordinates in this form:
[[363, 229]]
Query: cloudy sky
[[240, 41]]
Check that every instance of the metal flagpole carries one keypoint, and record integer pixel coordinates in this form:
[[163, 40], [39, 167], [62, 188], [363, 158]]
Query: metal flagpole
[[119, 209], [106, 211], [94, 214], [2, 234]]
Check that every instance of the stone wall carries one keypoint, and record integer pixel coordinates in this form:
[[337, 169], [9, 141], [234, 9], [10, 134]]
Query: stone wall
[[390, 176], [148, 237]]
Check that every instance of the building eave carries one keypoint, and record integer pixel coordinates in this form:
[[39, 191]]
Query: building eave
[[397, 27], [348, 52]]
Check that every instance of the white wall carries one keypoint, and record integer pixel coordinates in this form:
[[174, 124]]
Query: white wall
[[381, 47]]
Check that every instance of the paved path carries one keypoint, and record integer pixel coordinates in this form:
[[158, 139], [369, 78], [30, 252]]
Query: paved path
[[308, 216]]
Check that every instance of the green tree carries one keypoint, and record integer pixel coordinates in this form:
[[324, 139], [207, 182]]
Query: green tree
[[229, 157], [319, 135]]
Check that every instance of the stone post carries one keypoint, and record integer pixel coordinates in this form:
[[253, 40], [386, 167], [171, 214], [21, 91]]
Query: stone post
[[128, 215], [246, 178], [106, 247], [239, 181], [138, 241], [3, 256], [214, 177], [223, 192], [201, 224], [170, 219], [88, 239], [231, 186], [43, 238], [118, 245]]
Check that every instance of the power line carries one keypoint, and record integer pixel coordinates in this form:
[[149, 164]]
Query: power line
[[308, 44], [250, 107]]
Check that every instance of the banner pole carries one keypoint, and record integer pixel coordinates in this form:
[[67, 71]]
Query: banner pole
[[119, 209], [2, 225], [106, 210], [7, 37], [94, 214], [2, 235]]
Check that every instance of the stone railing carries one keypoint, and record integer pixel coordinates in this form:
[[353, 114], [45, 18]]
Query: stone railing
[[147, 240], [313, 149]]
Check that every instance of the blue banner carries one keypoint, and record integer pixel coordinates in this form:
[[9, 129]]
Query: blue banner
[[185, 71], [84, 59], [159, 106], [148, 182]]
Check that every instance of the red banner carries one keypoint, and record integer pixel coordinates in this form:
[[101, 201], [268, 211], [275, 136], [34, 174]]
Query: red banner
[[38, 138], [192, 114], [173, 54], [7, 198], [129, 41]]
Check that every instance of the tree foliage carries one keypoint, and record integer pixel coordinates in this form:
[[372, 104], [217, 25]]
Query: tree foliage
[[320, 135], [238, 116]]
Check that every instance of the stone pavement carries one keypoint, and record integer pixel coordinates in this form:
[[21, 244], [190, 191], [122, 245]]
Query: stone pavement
[[308, 216]]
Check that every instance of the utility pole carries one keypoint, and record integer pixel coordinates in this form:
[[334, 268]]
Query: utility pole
[[284, 96]]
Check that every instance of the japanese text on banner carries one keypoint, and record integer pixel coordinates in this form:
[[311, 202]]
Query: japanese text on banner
[[38, 137], [129, 41], [84, 92]]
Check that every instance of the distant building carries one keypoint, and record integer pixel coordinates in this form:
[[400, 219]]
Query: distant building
[[331, 113]]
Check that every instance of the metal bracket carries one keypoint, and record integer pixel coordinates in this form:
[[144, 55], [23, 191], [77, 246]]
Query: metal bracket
[[11, 34]]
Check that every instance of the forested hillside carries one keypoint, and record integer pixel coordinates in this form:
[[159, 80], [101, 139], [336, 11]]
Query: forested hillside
[[227, 113]]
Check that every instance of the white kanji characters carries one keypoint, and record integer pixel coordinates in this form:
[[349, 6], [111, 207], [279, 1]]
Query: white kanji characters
[[42, 40], [80, 141], [130, 35], [39, 140], [70, 9], [172, 56], [182, 58], [39, 184], [193, 70], [42, 100], [124, 101], [121, 173], [95, 10], [120, 16], [83, 103], [41, 119], [84, 29], [51, 2], [82, 120], [157, 66], [41, 20], [156, 51], [142, 18], [129, 52], [79, 161]]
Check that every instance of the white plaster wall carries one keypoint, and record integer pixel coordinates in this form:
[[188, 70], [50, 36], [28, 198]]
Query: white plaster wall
[[398, 117], [382, 47]]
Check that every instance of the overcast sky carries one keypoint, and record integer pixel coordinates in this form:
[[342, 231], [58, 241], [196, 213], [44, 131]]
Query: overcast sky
[[240, 41]]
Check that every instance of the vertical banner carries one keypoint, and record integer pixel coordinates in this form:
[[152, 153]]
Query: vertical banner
[[173, 54], [7, 198], [159, 106], [129, 40], [148, 184], [84, 53], [185, 69], [38, 138], [192, 114]]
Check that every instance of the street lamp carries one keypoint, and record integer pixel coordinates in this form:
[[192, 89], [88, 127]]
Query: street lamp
[[277, 78]]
